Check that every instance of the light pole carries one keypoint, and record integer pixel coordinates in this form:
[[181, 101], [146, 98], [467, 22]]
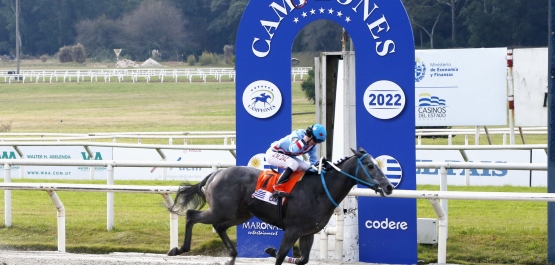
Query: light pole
[[17, 44]]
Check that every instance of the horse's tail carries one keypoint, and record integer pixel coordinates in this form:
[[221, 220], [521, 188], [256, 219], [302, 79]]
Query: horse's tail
[[190, 196]]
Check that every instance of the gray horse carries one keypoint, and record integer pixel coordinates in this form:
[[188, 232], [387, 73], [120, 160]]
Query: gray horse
[[313, 200]]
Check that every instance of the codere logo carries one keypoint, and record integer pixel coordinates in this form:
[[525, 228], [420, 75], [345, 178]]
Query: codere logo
[[386, 225]]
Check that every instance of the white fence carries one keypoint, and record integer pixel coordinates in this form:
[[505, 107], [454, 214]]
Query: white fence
[[133, 75], [226, 136], [478, 132], [439, 207]]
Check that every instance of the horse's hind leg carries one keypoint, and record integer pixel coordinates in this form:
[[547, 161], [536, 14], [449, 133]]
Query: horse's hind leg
[[192, 218]]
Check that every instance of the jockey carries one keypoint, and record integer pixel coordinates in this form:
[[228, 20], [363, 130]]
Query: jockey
[[283, 153]]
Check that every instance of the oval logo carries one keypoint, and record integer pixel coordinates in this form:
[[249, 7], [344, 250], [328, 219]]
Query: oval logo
[[262, 99]]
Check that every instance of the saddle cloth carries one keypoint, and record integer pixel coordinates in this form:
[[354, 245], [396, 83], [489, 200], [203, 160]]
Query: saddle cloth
[[266, 181]]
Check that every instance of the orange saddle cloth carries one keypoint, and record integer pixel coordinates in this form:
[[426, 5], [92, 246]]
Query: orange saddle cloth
[[266, 181]]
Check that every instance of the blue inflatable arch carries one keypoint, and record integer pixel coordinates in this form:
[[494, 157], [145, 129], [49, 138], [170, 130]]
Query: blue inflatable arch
[[385, 122]]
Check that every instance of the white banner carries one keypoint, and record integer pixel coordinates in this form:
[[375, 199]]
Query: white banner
[[456, 87], [484, 177], [56, 153], [109, 153], [144, 173], [530, 86], [478, 177]]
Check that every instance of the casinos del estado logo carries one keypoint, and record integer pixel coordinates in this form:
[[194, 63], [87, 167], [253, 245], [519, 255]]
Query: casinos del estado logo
[[431, 107]]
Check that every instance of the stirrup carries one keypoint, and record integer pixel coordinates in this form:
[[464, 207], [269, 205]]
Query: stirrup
[[283, 194]]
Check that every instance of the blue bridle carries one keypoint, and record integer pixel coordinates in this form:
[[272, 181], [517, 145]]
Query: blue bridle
[[359, 181]]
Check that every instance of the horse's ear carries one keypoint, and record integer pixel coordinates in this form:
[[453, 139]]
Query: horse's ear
[[360, 149], [357, 153]]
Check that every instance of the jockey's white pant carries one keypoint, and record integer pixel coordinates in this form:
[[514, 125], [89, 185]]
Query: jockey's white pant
[[284, 161]]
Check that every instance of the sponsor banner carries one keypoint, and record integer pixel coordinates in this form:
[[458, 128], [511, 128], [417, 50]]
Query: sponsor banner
[[483, 177], [153, 173], [530, 86], [455, 87], [56, 153], [109, 153]]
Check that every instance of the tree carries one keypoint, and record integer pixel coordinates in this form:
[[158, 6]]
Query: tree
[[425, 15], [98, 35], [498, 23], [321, 35], [153, 25]]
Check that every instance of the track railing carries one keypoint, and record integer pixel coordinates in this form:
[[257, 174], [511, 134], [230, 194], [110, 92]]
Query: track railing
[[133, 75], [438, 199]]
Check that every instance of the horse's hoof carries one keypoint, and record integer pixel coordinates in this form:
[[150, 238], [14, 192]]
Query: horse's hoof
[[229, 262], [271, 251], [173, 252]]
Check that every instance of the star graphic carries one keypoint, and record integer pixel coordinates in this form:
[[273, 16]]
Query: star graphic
[[296, 20], [348, 19], [312, 11], [339, 14], [322, 10], [330, 11], [304, 14]]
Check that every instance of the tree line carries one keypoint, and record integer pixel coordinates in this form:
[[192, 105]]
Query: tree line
[[178, 28]]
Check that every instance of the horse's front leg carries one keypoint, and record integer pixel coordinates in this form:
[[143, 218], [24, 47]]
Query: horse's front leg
[[305, 244], [289, 238], [222, 232], [191, 220]]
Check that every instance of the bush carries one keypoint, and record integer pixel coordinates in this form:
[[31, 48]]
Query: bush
[[6, 126], [75, 53], [78, 53], [64, 55], [208, 58], [44, 58], [309, 87], [191, 60]]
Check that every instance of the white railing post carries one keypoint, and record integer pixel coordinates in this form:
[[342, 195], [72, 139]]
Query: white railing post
[[174, 231], [110, 199], [442, 233], [443, 185], [61, 220], [7, 196]]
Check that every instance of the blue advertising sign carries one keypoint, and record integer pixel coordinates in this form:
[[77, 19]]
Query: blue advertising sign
[[384, 52]]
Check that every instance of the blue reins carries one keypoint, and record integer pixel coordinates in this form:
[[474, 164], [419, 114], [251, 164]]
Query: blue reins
[[359, 181]]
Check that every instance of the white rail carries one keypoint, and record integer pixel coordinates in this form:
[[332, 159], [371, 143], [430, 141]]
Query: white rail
[[433, 196], [185, 136], [110, 165], [51, 189], [134, 75]]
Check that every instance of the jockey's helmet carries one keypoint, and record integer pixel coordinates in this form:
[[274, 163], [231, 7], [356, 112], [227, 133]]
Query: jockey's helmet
[[317, 132]]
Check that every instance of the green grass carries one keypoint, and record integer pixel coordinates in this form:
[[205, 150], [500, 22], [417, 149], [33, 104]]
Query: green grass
[[141, 221], [128, 107], [490, 232], [480, 232]]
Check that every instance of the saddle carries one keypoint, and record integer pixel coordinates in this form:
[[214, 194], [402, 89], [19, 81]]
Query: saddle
[[265, 185]]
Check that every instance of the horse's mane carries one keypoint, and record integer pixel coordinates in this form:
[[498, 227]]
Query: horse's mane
[[342, 160]]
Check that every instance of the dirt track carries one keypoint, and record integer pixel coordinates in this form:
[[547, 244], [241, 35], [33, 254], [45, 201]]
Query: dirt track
[[55, 258]]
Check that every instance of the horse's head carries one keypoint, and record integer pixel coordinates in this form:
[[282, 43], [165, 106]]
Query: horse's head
[[372, 174]]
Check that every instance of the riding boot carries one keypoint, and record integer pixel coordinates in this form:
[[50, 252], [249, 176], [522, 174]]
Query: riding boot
[[278, 188]]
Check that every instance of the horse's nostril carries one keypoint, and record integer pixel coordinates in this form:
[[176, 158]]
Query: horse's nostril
[[389, 188]]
